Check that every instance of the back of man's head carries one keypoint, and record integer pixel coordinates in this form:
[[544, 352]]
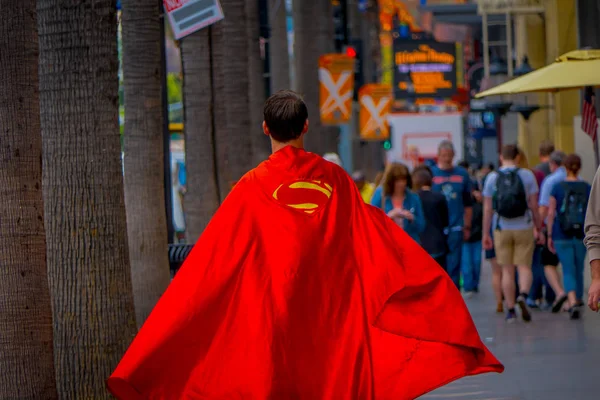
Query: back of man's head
[[546, 148], [422, 177], [285, 115], [557, 158], [510, 152]]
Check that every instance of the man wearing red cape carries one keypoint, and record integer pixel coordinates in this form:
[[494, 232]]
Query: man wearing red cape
[[299, 290]]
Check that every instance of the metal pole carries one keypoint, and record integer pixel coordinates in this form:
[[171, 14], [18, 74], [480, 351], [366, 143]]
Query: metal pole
[[509, 44], [166, 134], [486, 46], [345, 146]]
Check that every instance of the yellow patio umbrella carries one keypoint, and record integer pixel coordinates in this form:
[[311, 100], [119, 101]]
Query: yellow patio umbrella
[[573, 70]]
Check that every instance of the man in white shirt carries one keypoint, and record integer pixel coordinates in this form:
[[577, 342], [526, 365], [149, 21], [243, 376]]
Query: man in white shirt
[[510, 199]]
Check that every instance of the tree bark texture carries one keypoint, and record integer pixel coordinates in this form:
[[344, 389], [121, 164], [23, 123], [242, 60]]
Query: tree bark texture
[[278, 46], [218, 121], [202, 197], [313, 37], [230, 57], [144, 165], [26, 355], [88, 261], [261, 145]]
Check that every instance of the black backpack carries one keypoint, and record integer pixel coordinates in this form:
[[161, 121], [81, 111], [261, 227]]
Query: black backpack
[[510, 200], [571, 214]]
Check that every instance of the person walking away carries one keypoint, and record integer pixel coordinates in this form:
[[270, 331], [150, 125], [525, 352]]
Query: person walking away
[[435, 209], [471, 251], [510, 198], [545, 150], [566, 219], [548, 258], [366, 188], [455, 184], [320, 296], [396, 199], [592, 242], [540, 288], [490, 254]]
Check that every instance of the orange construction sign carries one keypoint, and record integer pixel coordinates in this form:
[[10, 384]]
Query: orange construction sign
[[336, 81], [375, 103]]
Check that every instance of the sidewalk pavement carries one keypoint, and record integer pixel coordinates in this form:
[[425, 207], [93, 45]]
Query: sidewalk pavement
[[551, 358]]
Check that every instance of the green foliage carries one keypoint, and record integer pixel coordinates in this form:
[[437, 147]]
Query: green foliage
[[174, 88]]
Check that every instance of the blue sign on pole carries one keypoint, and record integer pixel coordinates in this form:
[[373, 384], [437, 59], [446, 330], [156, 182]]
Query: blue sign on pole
[[362, 5]]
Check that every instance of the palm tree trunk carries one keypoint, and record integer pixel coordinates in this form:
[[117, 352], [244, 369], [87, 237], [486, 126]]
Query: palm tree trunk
[[203, 196], [217, 103], [88, 261], [313, 36], [231, 95], [144, 165], [25, 310], [278, 46], [261, 146]]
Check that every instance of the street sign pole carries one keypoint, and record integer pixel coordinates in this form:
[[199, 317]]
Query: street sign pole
[[345, 146]]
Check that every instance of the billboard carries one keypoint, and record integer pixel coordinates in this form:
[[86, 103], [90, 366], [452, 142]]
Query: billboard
[[424, 69]]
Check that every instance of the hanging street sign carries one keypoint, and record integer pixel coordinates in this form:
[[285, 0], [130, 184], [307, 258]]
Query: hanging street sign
[[189, 16], [336, 82], [375, 103]]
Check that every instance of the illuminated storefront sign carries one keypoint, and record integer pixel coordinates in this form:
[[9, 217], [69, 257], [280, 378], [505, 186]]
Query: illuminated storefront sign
[[424, 69]]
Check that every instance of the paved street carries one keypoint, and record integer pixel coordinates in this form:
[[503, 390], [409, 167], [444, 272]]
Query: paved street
[[551, 358]]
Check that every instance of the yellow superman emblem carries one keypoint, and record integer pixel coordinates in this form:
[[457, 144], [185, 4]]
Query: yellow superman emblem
[[307, 196]]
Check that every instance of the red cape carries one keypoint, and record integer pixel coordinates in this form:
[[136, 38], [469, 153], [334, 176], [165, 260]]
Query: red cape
[[298, 290]]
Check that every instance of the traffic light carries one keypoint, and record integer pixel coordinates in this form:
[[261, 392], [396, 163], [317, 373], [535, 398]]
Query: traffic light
[[354, 50], [387, 143], [340, 23]]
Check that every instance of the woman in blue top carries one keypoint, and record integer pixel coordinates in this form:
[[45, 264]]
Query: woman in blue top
[[399, 202], [566, 217]]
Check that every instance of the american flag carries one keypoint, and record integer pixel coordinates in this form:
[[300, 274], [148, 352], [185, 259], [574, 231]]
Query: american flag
[[589, 122]]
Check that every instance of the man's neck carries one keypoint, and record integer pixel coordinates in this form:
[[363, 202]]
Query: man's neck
[[444, 166], [544, 159], [509, 164], [425, 188], [276, 146]]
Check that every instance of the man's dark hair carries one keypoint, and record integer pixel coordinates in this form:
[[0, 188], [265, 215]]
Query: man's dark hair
[[285, 115], [558, 157], [510, 152], [421, 177], [573, 163], [546, 148]]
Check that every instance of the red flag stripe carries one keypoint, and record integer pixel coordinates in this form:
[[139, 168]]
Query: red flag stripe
[[589, 121]]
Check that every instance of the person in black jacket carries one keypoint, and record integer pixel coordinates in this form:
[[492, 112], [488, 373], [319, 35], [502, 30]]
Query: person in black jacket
[[472, 249], [435, 208]]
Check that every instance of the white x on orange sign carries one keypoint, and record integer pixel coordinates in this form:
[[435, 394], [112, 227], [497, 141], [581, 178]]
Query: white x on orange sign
[[376, 119], [336, 100], [336, 87]]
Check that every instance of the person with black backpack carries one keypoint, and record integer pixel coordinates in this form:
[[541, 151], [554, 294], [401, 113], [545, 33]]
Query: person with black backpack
[[566, 219], [510, 199]]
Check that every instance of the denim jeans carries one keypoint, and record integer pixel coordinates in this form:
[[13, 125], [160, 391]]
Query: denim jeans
[[471, 265], [539, 286], [571, 253], [453, 258]]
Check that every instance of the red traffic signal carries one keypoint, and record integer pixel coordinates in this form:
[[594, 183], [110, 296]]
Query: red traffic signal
[[351, 52]]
